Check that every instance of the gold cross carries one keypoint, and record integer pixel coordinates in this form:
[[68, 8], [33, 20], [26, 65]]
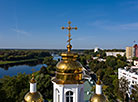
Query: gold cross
[[69, 28]]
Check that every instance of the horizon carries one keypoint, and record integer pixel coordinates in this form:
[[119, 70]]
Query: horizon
[[56, 49], [37, 24]]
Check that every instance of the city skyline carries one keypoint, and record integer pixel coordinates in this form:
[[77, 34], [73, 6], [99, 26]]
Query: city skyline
[[37, 24]]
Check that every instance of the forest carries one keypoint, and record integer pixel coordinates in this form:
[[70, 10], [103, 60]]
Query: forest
[[11, 57]]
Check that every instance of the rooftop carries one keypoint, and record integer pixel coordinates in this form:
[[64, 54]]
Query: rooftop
[[132, 69]]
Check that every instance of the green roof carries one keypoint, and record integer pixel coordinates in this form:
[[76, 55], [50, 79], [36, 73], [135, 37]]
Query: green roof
[[87, 90]]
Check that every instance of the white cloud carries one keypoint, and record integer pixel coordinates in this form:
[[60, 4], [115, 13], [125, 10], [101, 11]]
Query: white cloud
[[112, 26], [21, 32], [129, 26]]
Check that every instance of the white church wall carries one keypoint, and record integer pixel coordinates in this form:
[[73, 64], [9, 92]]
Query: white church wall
[[77, 89]]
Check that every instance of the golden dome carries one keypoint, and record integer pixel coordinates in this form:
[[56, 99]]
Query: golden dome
[[98, 98], [69, 71], [33, 97], [69, 66]]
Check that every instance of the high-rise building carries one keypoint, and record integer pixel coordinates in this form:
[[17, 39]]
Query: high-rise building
[[68, 82], [129, 52], [136, 50], [132, 52]]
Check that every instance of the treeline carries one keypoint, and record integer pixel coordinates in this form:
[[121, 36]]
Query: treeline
[[17, 55], [115, 50], [100, 53]]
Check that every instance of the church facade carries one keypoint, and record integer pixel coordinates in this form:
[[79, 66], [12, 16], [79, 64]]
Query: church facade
[[68, 82]]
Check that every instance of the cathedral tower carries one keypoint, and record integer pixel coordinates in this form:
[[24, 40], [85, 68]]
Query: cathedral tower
[[68, 82]]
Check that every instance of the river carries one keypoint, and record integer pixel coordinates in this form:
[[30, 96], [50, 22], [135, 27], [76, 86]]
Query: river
[[14, 70]]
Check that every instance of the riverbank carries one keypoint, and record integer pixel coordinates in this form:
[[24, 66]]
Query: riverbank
[[4, 64]]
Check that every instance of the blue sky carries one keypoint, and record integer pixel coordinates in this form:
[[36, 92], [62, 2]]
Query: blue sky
[[37, 23]]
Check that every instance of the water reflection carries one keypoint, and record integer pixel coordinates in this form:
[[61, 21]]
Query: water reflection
[[22, 68], [6, 67], [19, 69]]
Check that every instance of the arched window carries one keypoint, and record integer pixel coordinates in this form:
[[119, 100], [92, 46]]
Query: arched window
[[69, 96], [57, 95]]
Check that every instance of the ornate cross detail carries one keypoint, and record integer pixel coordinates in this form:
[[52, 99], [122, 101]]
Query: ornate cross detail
[[69, 28]]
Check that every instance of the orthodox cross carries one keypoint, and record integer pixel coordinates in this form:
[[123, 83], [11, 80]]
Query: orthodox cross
[[69, 28]]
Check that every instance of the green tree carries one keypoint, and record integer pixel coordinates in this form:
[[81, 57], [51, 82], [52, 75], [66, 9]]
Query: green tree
[[123, 87], [44, 70], [111, 61], [94, 65], [115, 86], [102, 53], [45, 86], [100, 73], [49, 61], [135, 58], [82, 60], [134, 94], [13, 87], [120, 64]]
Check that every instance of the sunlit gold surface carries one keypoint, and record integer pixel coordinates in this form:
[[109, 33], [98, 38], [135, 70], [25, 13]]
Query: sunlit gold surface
[[69, 71], [98, 98], [33, 79], [69, 28], [69, 66], [33, 97], [99, 81], [69, 46]]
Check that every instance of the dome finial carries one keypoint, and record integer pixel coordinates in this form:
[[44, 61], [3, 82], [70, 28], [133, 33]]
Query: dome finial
[[98, 96], [69, 46], [99, 81], [33, 77]]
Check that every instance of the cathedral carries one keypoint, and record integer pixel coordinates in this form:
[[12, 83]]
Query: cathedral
[[68, 83]]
